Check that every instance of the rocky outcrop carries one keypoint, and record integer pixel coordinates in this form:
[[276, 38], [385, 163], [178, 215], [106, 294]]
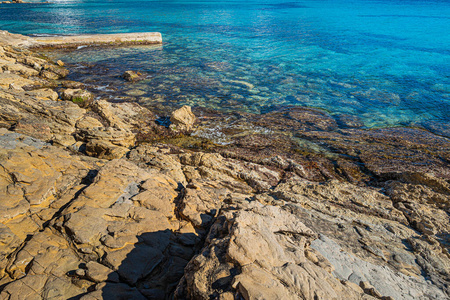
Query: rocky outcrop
[[80, 226], [91, 211]]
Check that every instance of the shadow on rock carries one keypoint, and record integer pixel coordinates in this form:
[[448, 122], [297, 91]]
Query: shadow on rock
[[149, 269]]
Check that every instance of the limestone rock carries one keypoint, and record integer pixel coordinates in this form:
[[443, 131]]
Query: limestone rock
[[6, 79], [98, 272], [182, 119], [270, 256], [40, 119], [19, 69], [43, 94], [72, 84], [81, 97]]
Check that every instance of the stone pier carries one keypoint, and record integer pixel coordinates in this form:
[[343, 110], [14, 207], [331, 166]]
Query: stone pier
[[145, 38]]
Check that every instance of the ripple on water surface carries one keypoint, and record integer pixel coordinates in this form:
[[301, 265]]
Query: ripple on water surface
[[384, 62]]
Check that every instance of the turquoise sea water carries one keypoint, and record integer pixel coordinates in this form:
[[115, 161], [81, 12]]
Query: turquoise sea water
[[386, 62]]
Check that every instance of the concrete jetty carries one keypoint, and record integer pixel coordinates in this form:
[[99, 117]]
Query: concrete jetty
[[142, 38]]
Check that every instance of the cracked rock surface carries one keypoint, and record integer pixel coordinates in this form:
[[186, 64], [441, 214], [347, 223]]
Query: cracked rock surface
[[92, 207]]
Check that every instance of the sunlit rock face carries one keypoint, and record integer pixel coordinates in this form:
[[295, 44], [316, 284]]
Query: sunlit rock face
[[101, 202]]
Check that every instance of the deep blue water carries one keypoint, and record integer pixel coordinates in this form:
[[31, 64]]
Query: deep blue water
[[385, 61]]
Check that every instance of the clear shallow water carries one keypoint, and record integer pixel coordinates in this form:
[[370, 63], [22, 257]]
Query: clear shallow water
[[387, 62]]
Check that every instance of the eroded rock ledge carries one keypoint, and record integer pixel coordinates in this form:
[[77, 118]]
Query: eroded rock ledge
[[90, 211]]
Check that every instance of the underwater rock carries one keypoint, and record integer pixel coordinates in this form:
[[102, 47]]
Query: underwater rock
[[132, 76]]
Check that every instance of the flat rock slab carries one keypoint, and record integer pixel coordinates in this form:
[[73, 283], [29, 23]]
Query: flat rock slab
[[119, 38]]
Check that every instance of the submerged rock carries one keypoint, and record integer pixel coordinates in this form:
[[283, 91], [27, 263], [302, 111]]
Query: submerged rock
[[132, 76]]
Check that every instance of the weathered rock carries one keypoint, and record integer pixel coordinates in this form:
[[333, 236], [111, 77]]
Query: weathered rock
[[19, 69], [386, 282], [261, 256], [81, 97], [40, 119], [317, 211], [105, 150], [115, 136], [182, 119], [6, 79], [132, 76], [99, 273], [43, 94], [72, 84]]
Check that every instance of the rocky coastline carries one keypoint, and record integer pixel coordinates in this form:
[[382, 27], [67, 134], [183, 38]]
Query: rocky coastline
[[99, 201]]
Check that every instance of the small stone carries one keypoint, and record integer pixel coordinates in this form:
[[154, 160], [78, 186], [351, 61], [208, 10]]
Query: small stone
[[60, 63], [80, 272], [86, 250], [14, 86]]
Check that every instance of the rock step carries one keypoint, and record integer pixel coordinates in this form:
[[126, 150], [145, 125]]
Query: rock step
[[118, 38]]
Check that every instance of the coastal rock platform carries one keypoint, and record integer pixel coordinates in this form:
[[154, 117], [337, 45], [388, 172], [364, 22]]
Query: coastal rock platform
[[141, 38], [96, 203]]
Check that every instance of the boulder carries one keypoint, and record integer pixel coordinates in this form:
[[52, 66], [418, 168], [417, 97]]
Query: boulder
[[182, 119], [79, 96]]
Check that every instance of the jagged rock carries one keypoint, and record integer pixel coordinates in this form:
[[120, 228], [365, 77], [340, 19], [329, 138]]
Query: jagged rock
[[113, 135], [57, 70], [332, 212], [182, 119], [332, 196], [34, 62], [260, 253], [375, 280], [40, 119], [47, 74], [123, 115]]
